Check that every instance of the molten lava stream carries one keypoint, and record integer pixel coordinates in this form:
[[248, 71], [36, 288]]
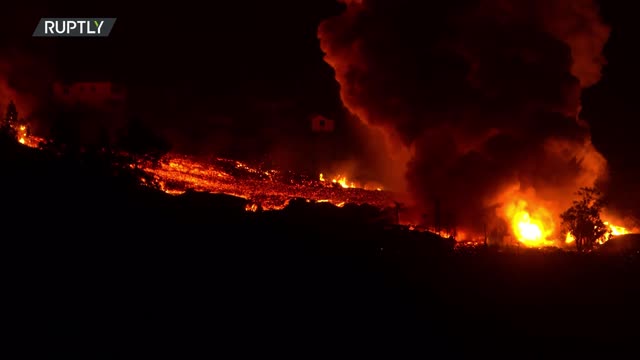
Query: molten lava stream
[[179, 173]]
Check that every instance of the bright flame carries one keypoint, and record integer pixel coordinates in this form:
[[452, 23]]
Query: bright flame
[[529, 231], [616, 230], [345, 183], [341, 180], [24, 138], [531, 228], [570, 238]]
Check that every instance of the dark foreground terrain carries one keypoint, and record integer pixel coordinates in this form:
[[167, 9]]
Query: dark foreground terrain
[[96, 267]]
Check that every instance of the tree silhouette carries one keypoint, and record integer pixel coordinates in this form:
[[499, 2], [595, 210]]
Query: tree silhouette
[[12, 114], [398, 208], [583, 220], [8, 122]]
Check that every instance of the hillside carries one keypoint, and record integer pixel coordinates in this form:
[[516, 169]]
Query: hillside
[[101, 267]]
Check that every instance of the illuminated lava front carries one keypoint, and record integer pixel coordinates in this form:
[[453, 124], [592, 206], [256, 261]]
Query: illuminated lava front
[[270, 189]]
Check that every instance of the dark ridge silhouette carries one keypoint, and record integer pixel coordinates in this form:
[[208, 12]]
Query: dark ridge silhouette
[[628, 243], [99, 266]]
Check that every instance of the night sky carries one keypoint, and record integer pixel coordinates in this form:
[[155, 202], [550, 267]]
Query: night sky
[[253, 71], [611, 105]]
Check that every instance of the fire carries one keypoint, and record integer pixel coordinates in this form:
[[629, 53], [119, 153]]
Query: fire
[[535, 223], [569, 239], [340, 180], [616, 230], [345, 183], [531, 226], [24, 136], [536, 228]]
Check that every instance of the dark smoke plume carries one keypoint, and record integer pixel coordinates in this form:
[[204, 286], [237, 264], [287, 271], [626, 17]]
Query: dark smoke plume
[[484, 96]]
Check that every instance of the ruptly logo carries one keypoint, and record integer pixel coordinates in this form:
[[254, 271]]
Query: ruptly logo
[[74, 27]]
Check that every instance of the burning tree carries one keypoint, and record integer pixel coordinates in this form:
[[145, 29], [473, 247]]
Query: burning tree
[[582, 220]]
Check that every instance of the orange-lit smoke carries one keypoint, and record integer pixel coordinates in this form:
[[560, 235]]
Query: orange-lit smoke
[[392, 154], [476, 104]]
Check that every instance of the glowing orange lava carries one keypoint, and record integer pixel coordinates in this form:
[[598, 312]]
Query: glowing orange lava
[[267, 188]]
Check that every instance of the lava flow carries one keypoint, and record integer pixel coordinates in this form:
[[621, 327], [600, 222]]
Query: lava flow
[[268, 189], [265, 188]]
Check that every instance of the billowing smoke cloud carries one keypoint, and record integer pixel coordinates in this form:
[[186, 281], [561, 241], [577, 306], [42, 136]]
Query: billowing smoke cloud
[[485, 95]]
